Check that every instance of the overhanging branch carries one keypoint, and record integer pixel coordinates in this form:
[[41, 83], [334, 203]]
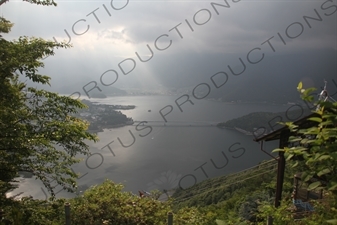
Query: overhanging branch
[[3, 1]]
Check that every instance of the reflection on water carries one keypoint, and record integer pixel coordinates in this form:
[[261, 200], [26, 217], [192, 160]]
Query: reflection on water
[[157, 155]]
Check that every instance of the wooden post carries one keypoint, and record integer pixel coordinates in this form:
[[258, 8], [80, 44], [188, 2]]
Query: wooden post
[[67, 212], [170, 218], [1, 214], [280, 178], [284, 137], [270, 220]]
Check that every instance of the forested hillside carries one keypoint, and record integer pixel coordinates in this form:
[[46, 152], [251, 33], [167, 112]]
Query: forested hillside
[[266, 120], [235, 198]]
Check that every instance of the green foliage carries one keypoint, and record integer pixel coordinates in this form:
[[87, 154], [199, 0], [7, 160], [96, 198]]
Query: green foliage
[[5, 25], [219, 189], [285, 214], [39, 133], [33, 212], [102, 204], [281, 215], [318, 145], [237, 198], [107, 202], [314, 154], [155, 194], [249, 207], [234, 198]]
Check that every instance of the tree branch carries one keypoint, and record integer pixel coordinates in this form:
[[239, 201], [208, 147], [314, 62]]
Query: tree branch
[[3, 1]]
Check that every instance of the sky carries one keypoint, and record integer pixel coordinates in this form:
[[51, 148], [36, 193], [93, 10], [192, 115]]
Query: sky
[[185, 37], [190, 40]]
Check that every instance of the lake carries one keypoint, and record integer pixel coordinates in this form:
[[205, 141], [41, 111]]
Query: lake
[[155, 154]]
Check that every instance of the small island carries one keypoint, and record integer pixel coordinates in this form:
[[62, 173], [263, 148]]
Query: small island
[[102, 116]]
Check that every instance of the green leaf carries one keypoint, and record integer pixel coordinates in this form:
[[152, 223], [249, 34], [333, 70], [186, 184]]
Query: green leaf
[[289, 157], [315, 119], [333, 186], [323, 157], [306, 176], [278, 150], [333, 221], [314, 185], [295, 164], [322, 172], [299, 86]]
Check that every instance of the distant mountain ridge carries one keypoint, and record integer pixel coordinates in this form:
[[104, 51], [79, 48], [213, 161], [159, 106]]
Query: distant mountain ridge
[[274, 79]]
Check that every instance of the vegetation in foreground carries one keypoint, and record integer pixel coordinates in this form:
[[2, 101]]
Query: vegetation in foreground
[[101, 204], [38, 134]]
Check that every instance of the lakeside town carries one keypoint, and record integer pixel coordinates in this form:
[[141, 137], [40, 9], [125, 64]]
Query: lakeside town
[[102, 116]]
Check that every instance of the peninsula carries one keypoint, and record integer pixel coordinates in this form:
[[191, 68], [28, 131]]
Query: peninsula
[[250, 123], [102, 116]]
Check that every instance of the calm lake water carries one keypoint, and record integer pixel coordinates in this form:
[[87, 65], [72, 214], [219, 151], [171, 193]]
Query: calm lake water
[[157, 155]]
